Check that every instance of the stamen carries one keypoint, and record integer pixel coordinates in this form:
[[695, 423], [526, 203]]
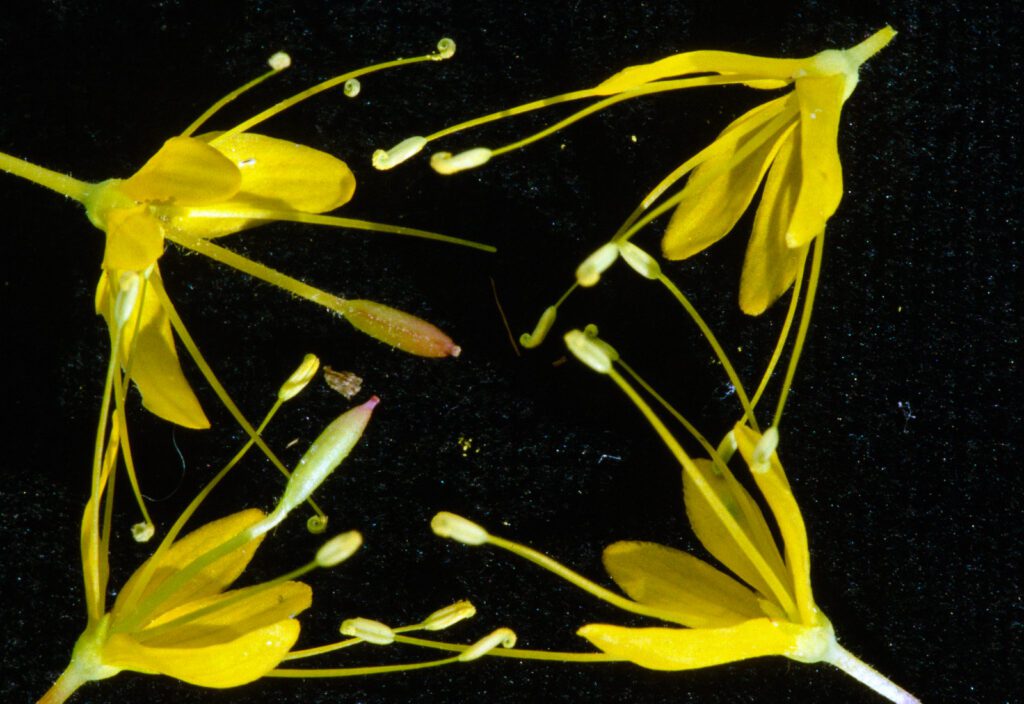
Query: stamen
[[300, 378], [404, 150], [447, 164], [339, 548], [448, 525], [589, 272], [504, 637], [529, 340], [368, 630], [352, 87]]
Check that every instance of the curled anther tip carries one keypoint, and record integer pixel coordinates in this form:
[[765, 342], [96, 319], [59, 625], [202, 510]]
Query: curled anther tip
[[529, 340], [352, 87], [462, 530], [589, 272], [339, 548], [640, 261], [143, 531], [384, 159], [449, 616], [504, 637], [764, 450], [368, 630], [445, 49], [300, 378], [316, 524], [446, 163], [279, 61], [590, 350]]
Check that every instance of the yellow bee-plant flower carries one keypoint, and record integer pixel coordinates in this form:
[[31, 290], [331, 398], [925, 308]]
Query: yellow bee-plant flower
[[199, 187], [717, 618], [176, 615], [792, 138]]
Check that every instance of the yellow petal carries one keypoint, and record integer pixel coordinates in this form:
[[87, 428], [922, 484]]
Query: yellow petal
[[691, 591], [771, 73], [770, 265], [135, 239], [771, 480], [276, 175], [714, 536], [821, 188], [186, 171], [155, 367], [721, 188], [690, 648], [249, 609], [237, 662], [207, 582]]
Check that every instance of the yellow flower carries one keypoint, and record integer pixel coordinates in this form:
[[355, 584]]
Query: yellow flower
[[792, 139], [200, 187], [769, 610]]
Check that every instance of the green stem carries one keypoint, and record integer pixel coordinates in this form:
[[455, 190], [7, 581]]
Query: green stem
[[61, 183]]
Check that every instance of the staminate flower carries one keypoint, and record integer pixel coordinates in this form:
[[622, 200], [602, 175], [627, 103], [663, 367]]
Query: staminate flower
[[768, 610], [199, 187], [792, 139]]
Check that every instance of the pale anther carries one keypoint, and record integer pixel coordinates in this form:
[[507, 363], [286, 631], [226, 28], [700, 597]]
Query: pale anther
[[529, 340], [764, 449], [339, 548], [280, 61], [445, 49], [449, 525], [368, 630], [588, 351], [447, 163], [640, 261], [589, 272], [299, 378], [128, 285], [352, 87], [142, 532], [505, 637], [449, 616], [384, 159]]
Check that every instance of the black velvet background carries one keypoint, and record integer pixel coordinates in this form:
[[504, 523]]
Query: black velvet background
[[901, 438]]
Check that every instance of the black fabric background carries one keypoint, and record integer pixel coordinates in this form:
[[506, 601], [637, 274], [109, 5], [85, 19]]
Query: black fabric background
[[901, 438]]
